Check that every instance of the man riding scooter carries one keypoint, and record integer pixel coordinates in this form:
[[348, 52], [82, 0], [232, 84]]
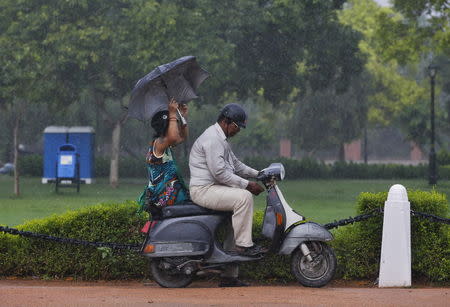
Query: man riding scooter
[[218, 183]]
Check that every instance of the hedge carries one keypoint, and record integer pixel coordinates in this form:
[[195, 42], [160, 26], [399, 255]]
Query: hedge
[[295, 169], [32, 165], [311, 168], [357, 247], [102, 223]]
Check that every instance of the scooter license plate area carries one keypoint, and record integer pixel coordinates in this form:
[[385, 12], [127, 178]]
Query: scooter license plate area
[[179, 249]]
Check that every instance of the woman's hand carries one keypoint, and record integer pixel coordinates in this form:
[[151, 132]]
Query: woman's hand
[[173, 106], [183, 109]]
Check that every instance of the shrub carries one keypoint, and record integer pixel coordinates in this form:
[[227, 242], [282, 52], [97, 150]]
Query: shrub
[[272, 268], [132, 167], [358, 247], [128, 167], [444, 171], [443, 157], [31, 165], [102, 223], [102, 166], [311, 168]]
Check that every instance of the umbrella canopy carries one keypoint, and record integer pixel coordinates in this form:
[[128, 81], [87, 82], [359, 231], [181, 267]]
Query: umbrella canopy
[[178, 79]]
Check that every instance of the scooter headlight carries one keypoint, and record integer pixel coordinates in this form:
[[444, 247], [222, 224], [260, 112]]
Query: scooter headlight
[[276, 170], [282, 172]]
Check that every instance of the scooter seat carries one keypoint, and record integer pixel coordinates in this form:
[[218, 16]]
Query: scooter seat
[[188, 209]]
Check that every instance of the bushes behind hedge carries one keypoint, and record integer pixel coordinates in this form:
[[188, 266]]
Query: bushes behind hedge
[[32, 165], [311, 168], [357, 247]]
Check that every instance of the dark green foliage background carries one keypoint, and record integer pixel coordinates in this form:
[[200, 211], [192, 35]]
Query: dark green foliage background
[[31, 165]]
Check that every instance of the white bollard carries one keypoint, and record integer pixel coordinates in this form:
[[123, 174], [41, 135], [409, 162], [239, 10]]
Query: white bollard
[[395, 262]]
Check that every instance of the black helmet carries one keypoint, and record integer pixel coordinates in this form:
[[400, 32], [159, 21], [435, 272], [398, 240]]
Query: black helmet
[[236, 113], [160, 122]]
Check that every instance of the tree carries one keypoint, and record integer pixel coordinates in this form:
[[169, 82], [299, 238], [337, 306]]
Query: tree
[[396, 95], [283, 52], [286, 46], [428, 22], [101, 48], [111, 44], [421, 37], [25, 69]]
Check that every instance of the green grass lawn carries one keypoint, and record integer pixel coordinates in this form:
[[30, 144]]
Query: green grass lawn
[[320, 200]]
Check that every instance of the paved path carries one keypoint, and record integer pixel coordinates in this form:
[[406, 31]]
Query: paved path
[[35, 293]]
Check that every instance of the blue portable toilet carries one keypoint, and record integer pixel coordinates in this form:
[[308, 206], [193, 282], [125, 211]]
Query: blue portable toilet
[[54, 136], [83, 140], [67, 166]]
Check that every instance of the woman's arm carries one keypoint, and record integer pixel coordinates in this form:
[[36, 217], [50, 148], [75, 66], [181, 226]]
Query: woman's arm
[[172, 136]]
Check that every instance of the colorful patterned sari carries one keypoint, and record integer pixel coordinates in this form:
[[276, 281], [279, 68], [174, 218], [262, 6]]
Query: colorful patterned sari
[[166, 186]]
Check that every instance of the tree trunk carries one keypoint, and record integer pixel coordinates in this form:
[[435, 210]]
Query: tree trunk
[[16, 155], [341, 152], [366, 152], [115, 153]]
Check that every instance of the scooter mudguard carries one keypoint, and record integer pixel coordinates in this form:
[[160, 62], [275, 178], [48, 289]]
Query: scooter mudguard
[[183, 236], [308, 231]]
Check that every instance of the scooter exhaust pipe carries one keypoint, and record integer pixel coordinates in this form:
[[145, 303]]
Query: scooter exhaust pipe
[[208, 272], [306, 252]]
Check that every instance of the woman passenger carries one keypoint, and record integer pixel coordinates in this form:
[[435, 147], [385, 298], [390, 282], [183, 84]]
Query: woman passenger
[[166, 186]]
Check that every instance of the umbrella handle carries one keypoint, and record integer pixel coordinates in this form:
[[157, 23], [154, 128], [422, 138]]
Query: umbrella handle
[[183, 120]]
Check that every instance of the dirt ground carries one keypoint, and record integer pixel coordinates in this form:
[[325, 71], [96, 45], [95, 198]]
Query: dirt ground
[[38, 293]]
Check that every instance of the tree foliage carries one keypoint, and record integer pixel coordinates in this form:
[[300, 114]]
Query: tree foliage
[[430, 19], [398, 94], [60, 53], [287, 46]]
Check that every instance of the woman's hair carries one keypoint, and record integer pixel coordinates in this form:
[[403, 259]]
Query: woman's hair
[[160, 122]]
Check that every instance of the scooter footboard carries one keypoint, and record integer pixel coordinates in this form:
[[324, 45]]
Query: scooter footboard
[[309, 231]]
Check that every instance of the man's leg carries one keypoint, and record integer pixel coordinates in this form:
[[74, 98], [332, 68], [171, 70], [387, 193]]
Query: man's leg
[[232, 269], [223, 198]]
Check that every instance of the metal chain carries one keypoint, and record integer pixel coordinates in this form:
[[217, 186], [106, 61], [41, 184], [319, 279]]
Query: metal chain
[[136, 247], [355, 219], [431, 217], [375, 212], [29, 234]]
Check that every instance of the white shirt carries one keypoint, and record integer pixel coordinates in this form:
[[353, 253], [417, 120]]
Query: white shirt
[[212, 161]]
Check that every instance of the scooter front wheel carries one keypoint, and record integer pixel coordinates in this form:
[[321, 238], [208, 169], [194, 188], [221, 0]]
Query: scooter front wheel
[[319, 271], [168, 277]]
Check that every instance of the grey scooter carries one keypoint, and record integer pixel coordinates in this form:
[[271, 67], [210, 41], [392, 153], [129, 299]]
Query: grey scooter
[[182, 241]]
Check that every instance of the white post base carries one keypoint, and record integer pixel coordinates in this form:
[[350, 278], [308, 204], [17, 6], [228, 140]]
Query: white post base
[[395, 262]]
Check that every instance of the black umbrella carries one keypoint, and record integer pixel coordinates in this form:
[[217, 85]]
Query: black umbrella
[[178, 79]]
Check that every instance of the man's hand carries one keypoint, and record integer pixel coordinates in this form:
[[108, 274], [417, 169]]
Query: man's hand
[[254, 188]]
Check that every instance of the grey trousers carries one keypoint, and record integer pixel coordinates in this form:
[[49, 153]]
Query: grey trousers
[[240, 202], [223, 198]]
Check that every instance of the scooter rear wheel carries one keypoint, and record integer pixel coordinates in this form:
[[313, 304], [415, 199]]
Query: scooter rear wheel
[[318, 272], [168, 278]]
